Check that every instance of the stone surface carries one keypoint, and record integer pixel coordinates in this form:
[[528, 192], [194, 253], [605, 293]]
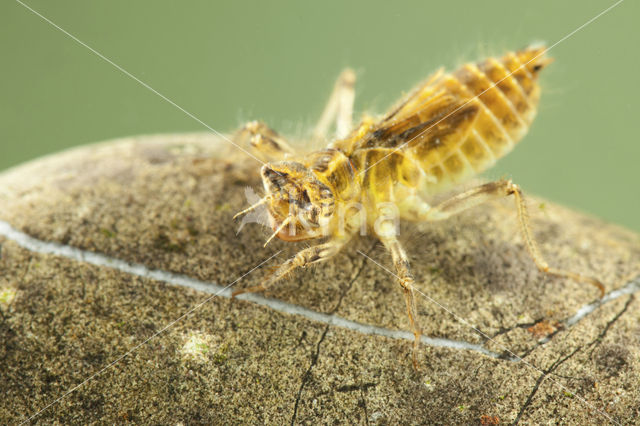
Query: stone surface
[[166, 202]]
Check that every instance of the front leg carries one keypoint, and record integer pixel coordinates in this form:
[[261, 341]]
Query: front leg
[[406, 281], [314, 254]]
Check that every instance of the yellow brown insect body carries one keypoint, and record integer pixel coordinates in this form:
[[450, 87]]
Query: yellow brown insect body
[[450, 128], [454, 126]]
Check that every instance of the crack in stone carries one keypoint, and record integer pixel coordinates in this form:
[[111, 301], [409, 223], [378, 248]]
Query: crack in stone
[[604, 331], [307, 374], [364, 404], [630, 288], [351, 388], [544, 374], [315, 356], [505, 330], [561, 360]]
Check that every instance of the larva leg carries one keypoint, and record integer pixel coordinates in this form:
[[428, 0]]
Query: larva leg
[[265, 141], [339, 107], [406, 281], [314, 254], [493, 190]]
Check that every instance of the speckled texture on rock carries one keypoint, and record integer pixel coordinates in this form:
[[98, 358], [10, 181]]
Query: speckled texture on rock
[[167, 202]]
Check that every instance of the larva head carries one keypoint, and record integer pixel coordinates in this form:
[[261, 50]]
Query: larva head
[[297, 199]]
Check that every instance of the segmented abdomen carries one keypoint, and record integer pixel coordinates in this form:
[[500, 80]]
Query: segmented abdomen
[[495, 103], [458, 124]]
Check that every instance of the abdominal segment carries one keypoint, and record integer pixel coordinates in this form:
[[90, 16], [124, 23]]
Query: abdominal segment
[[451, 128]]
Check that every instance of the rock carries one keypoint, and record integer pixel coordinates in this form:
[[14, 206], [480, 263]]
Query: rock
[[113, 258]]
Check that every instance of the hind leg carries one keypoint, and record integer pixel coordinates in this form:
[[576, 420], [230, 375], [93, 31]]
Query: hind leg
[[499, 189]]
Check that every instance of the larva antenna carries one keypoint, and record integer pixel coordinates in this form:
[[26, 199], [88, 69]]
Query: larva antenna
[[253, 207]]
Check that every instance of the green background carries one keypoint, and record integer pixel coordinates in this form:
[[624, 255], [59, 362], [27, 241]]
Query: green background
[[228, 62]]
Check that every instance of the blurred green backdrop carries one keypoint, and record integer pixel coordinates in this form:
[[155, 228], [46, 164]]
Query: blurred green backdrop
[[227, 62]]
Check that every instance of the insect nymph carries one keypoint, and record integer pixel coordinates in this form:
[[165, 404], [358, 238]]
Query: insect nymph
[[450, 128]]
